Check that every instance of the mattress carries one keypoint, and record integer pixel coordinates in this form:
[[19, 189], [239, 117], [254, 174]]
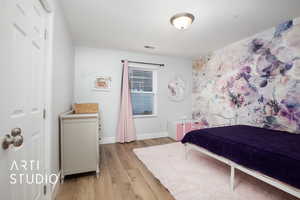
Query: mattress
[[271, 152]]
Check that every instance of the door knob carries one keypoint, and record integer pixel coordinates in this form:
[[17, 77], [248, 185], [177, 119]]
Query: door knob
[[16, 131], [18, 141], [15, 139], [7, 141]]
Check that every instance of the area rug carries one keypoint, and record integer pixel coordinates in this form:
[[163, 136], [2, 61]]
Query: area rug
[[200, 177]]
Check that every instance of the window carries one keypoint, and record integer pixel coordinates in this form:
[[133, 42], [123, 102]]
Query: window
[[143, 91]]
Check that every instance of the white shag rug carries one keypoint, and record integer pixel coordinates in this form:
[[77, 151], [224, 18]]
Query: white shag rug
[[200, 177]]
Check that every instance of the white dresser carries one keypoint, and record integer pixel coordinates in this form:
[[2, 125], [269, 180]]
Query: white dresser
[[79, 143]]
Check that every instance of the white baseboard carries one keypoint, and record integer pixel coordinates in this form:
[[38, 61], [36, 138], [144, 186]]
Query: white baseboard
[[111, 140], [54, 189], [107, 140], [151, 135]]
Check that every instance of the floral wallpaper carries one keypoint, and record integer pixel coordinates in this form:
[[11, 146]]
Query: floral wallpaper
[[256, 79]]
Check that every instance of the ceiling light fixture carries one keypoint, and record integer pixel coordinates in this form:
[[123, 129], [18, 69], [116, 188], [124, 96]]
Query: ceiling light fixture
[[182, 21], [149, 47]]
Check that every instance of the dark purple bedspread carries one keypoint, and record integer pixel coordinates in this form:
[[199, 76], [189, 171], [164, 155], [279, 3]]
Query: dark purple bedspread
[[273, 153]]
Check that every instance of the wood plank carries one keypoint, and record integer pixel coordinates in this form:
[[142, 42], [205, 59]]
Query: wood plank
[[84, 189], [140, 186], [103, 185], [67, 190], [120, 180], [159, 190], [122, 176]]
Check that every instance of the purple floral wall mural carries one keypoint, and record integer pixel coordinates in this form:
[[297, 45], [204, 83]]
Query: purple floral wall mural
[[257, 79]]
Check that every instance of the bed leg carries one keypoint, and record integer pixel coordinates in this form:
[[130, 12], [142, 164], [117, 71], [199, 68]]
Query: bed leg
[[185, 151], [232, 173]]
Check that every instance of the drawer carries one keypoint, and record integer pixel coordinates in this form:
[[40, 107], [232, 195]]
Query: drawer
[[79, 145]]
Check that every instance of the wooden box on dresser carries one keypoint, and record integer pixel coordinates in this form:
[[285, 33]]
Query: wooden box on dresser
[[79, 143]]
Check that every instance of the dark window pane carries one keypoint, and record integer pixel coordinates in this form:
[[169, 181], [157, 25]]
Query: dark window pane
[[142, 103], [140, 80]]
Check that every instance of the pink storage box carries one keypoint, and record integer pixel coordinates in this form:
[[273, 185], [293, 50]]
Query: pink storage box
[[182, 128]]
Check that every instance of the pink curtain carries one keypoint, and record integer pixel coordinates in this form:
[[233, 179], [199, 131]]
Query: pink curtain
[[126, 129]]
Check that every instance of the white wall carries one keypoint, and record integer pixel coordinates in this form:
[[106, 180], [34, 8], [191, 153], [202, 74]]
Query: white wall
[[61, 85], [90, 62]]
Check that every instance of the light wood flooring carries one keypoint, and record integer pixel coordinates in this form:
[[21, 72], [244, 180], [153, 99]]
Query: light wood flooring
[[122, 177]]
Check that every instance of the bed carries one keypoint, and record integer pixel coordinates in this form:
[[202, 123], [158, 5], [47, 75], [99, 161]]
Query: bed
[[269, 155]]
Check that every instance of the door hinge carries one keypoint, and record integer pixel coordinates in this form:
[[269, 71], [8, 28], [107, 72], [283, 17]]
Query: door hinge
[[45, 189], [44, 113]]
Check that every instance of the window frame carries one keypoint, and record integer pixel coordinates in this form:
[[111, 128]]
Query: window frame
[[154, 90]]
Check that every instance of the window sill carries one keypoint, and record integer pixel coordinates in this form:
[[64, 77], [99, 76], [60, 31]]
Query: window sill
[[144, 116]]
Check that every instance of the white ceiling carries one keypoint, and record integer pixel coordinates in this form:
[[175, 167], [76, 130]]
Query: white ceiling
[[131, 24]]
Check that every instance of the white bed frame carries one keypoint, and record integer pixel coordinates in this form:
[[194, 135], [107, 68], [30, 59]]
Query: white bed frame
[[278, 184], [274, 182]]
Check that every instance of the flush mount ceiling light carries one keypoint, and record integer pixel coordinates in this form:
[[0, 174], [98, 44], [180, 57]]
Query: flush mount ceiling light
[[149, 47], [182, 20]]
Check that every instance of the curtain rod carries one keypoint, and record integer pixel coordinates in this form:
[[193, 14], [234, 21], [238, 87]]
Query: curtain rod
[[145, 63]]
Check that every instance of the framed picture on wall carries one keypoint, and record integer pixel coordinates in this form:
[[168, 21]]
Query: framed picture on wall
[[102, 83]]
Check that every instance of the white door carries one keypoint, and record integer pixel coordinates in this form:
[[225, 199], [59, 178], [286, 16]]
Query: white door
[[22, 99]]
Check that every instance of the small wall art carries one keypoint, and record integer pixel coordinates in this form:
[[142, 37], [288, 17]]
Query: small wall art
[[177, 89], [102, 83]]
